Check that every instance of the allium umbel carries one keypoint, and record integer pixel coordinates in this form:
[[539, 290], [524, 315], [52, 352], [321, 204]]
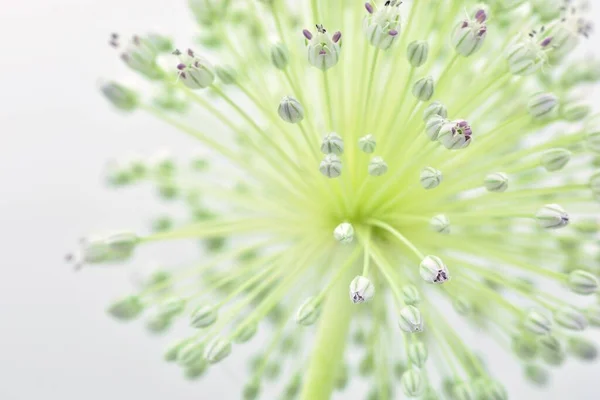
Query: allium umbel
[[331, 171]]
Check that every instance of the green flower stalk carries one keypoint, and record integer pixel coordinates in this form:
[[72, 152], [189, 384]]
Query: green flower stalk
[[363, 187]]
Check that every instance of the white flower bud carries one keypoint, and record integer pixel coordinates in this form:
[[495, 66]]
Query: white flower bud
[[440, 224], [377, 166], [382, 27], [537, 375], [496, 182], [469, 35], [331, 166], [462, 305], [217, 350], [550, 346], [555, 159], [195, 72], [332, 144], [573, 112], [410, 295], [435, 108], [430, 178], [158, 323], [524, 346], [367, 143], [290, 110], [111, 248], [434, 125], [593, 141], [417, 53], [552, 216], [433, 270], [126, 309], [361, 290], [323, 50], [526, 56], [122, 98], [280, 56], [308, 312], [417, 353], [593, 315], [204, 316], [226, 74], [582, 282], [412, 383], [571, 319], [542, 104], [583, 349], [246, 333], [344, 233], [190, 353], [410, 320], [172, 307], [537, 323], [172, 352], [424, 88], [455, 135]]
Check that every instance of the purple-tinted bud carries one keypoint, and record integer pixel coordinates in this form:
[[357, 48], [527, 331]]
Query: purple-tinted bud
[[546, 42], [336, 37], [180, 66], [369, 8], [307, 34], [393, 32], [465, 24], [481, 16], [482, 31]]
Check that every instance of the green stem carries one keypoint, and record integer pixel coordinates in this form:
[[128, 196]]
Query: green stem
[[330, 343]]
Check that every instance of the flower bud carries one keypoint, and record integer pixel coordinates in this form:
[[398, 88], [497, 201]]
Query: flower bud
[[430, 178], [172, 352], [251, 390], [126, 309], [435, 108], [410, 320], [226, 74], [551, 350], [463, 391], [583, 349], [440, 224], [417, 53], [203, 316], [555, 159], [331, 166], [424, 88], [412, 383], [217, 350], [308, 313], [455, 135], [332, 144], [573, 112], [158, 323], [525, 347], [582, 282], [570, 319], [469, 35], [122, 98], [552, 216], [496, 182], [246, 333], [417, 353], [593, 315], [290, 110], [433, 270], [140, 55], [537, 375], [542, 104], [361, 290], [195, 72], [191, 352], [537, 323], [111, 248], [172, 307], [434, 125], [526, 56], [382, 27], [367, 144], [377, 167], [410, 295], [280, 57], [492, 390], [344, 233], [323, 50]]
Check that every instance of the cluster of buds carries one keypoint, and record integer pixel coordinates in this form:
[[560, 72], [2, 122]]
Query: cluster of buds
[[469, 35], [323, 50], [382, 26]]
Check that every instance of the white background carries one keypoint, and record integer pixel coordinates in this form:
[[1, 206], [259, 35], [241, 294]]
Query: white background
[[57, 134]]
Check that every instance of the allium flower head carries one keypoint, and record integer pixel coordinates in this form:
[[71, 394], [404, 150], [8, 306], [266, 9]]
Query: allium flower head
[[440, 166]]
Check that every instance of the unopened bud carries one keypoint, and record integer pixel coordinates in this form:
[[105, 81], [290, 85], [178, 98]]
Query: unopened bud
[[246, 333], [440, 224], [496, 182], [570, 319], [331, 166], [361, 290], [555, 159], [217, 350], [290, 110], [542, 104], [410, 320], [126, 309], [367, 144], [430, 178], [203, 317], [433, 270], [332, 144], [344, 233], [121, 97], [417, 353], [434, 125], [417, 53], [410, 295], [280, 56], [412, 383], [435, 108], [583, 349], [424, 88], [583, 282], [552, 216], [537, 323], [308, 312], [377, 166]]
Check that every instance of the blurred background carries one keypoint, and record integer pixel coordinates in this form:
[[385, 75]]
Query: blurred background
[[56, 342]]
